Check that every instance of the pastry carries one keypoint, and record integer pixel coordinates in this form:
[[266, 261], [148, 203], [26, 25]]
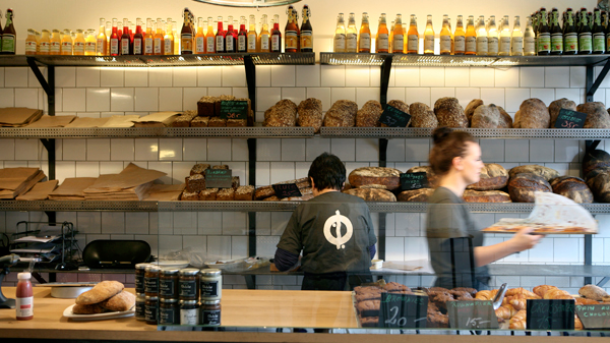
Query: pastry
[[369, 321], [592, 292], [395, 286], [120, 302], [100, 292], [585, 301], [518, 321], [505, 312], [542, 289], [450, 113], [369, 114]]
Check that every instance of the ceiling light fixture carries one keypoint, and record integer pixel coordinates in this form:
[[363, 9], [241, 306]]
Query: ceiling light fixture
[[248, 3]]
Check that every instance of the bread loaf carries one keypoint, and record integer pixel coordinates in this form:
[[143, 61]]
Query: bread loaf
[[545, 172], [369, 114], [236, 123], [471, 107], [120, 302], [594, 159], [388, 177], [416, 195], [557, 105], [226, 194], [88, 309], [488, 117], [506, 121], [244, 193], [199, 168], [532, 114], [208, 194], [185, 119], [341, 114], [189, 196], [217, 122], [597, 115], [268, 191], [399, 105], [206, 107], [450, 113], [282, 114], [598, 181], [572, 187], [493, 176], [371, 194], [486, 196], [221, 166], [592, 292], [521, 187], [433, 179], [422, 116], [310, 114], [200, 122], [195, 183], [100, 292]]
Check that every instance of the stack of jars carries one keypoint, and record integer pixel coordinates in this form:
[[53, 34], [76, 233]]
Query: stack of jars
[[173, 296]]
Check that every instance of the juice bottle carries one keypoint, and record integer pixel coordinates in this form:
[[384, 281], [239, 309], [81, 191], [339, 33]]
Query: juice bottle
[[176, 36], [54, 45], [220, 37], [102, 47], [471, 37], [505, 38], [391, 37], [31, 45], [306, 41], [459, 37], [291, 35], [186, 35], [149, 38], [108, 34], [276, 35], [364, 39], [44, 45], [90, 43], [79, 43], [138, 39], [200, 37], [126, 47], [445, 37], [9, 35], [429, 37], [66, 43], [482, 41], [413, 36], [132, 31], [264, 35], [158, 40], [252, 36], [383, 37], [168, 38], [230, 37], [352, 34], [492, 37], [516, 39], [114, 39], [398, 41], [339, 39], [242, 36], [210, 40], [24, 297], [451, 34], [585, 40], [529, 39]]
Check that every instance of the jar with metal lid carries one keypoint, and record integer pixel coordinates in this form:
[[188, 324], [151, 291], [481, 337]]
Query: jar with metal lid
[[189, 284], [140, 271], [189, 312], [210, 313], [211, 284], [151, 311], [169, 311], [141, 306], [151, 280], [168, 282]]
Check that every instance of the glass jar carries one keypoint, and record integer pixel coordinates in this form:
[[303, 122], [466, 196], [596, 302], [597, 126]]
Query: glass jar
[[151, 280], [151, 311], [210, 313], [140, 271], [211, 284], [189, 284], [168, 282], [169, 311], [189, 312], [141, 306]]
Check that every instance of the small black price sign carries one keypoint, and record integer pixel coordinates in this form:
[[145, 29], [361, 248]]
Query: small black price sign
[[286, 190], [550, 314], [410, 181], [218, 178], [472, 315], [403, 311], [394, 117], [568, 119], [234, 110], [594, 316]]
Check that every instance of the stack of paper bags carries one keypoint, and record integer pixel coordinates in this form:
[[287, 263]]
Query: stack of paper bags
[[40, 191], [51, 121], [132, 184], [72, 188], [16, 181], [18, 116], [159, 192], [160, 119]]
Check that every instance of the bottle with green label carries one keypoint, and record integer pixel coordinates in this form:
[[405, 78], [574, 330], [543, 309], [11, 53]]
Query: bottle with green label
[[570, 35], [9, 35], [535, 18], [606, 17], [585, 39], [556, 34], [544, 34], [599, 36]]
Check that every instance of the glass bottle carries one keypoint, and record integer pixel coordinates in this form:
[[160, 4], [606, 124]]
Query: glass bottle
[[459, 37], [66, 43], [391, 37], [9, 35], [79, 43], [158, 40], [199, 45], [445, 37], [102, 48], [186, 35], [339, 40], [90, 43], [149, 38], [24, 296], [138, 39], [44, 44], [451, 33], [126, 46], [230, 37], [168, 38], [529, 39], [585, 40], [220, 36], [210, 39], [570, 37], [242, 36], [505, 38], [382, 40], [53, 47], [276, 35], [544, 34], [264, 36], [176, 36], [413, 36], [429, 37], [599, 36], [291, 33], [31, 44], [482, 40], [492, 37], [607, 31], [252, 36], [351, 44], [471, 37], [516, 39], [398, 41], [556, 34], [364, 38], [1, 31], [306, 31]]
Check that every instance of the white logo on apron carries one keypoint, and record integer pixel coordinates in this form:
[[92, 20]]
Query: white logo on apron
[[335, 222]]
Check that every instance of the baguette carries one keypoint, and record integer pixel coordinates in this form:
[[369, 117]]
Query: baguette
[[102, 291]]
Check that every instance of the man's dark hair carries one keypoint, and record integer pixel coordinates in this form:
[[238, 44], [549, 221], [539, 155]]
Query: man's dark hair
[[327, 171]]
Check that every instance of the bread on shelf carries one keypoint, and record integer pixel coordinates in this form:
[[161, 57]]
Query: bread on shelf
[[341, 114], [372, 194], [217, 122], [493, 176], [208, 194], [450, 113], [416, 195], [532, 114], [594, 159], [401, 106], [185, 119], [490, 117], [310, 114], [433, 179], [522, 187], [388, 177], [545, 172], [556, 106], [282, 114], [422, 116], [573, 188], [244, 193], [226, 194], [206, 107], [597, 115], [598, 181], [369, 114], [200, 122], [200, 168], [471, 107], [492, 196], [195, 183]]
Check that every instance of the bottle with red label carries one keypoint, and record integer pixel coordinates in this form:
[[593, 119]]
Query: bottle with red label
[[126, 47], [24, 302], [242, 37], [230, 36], [138, 39], [276, 35], [220, 37], [114, 39]]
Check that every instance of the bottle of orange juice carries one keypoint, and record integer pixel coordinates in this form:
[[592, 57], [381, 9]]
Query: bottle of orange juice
[[382, 38], [90, 43], [200, 37], [264, 36], [413, 36], [54, 45], [445, 37], [79, 44], [44, 44], [31, 44], [158, 43], [66, 43], [252, 36], [102, 47], [398, 41], [364, 39], [471, 37], [459, 37], [149, 38]]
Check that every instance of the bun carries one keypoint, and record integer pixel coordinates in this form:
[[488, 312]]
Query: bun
[[100, 292], [439, 134]]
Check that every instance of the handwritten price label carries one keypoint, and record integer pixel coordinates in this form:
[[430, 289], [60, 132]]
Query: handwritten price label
[[234, 110], [471, 315], [594, 316], [568, 119], [403, 311], [550, 314], [394, 117]]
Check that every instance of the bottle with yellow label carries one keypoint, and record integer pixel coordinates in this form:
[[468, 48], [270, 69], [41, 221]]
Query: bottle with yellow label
[[459, 40], [291, 32], [429, 37], [398, 41], [66, 43], [364, 39], [445, 37], [382, 40], [471, 37], [339, 39], [186, 35], [264, 37], [413, 36], [252, 36]]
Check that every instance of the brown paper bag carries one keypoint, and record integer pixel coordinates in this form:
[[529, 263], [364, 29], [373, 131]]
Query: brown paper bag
[[18, 116], [132, 176], [51, 121], [159, 119], [161, 192], [72, 188], [24, 187], [87, 122], [12, 178], [40, 191], [121, 121]]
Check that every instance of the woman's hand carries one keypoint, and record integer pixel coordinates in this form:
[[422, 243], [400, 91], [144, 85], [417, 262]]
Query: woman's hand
[[523, 240]]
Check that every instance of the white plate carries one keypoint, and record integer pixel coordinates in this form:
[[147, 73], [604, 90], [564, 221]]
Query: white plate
[[175, 264], [98, 316]]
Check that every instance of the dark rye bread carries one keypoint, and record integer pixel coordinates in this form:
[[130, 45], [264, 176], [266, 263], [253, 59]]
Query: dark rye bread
[[433, 179], [388, 177], [369, 114], [597, 115], [594, 159], [371, 194], [486, 196], [341, 114], [450, 113], [545, 172], [557, 105], [572, 187], [422, 116], [493, 176], [416, 195], [532, 114], [521, 187], [599, 182]]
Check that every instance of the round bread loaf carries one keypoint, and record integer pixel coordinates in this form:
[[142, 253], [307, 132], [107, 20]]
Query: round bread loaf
[[532, 114], [450, 113], [506, 121], [493, 176], [282, 114], [433, 179], [488, 117], [371, 194], [422, 116], [593, 160], [400, 105], [521, 187], [597, 115], [369, 114], [388, 177], [545, 172], [416, 195], [486, 196], [471, 107], [572, 187], [557, 105], [341, 114], [310, 114], [599, 182]]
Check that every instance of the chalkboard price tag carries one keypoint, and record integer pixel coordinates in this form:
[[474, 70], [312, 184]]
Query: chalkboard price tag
[[410, 181], [394, 117], [218, 178], [403, 311], [472, 315], [568, 119], [286, 190], [550, 314], [234, 110], [594, 316]]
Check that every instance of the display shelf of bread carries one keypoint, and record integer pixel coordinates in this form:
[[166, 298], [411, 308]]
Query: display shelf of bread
[[197, 190]]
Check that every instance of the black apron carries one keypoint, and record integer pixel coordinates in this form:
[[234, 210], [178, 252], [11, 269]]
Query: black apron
[[339, 281]]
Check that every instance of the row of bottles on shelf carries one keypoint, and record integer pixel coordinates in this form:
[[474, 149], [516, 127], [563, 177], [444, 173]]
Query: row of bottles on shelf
[[8, 35], [581, 33], [162, 37]]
